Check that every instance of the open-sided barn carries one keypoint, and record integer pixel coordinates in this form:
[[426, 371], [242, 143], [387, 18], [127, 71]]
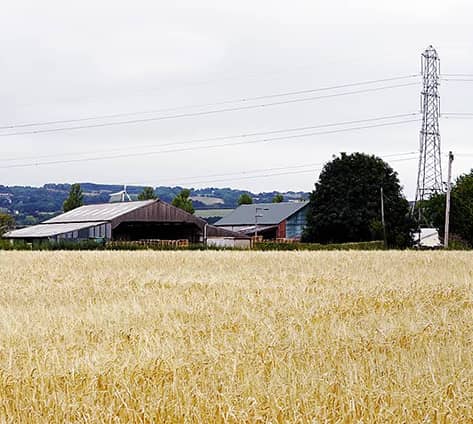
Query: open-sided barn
[[126, 221]]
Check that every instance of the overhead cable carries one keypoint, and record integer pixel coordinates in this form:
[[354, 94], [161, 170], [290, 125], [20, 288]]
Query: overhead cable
[[239, 100], [191, 180], [202, 113], [219, 138], [264, 140]]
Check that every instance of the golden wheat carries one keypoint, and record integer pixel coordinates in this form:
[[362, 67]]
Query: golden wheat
[[236, 337]]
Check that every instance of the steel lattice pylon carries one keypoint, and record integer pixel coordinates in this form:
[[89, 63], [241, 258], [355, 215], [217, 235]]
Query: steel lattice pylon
[[429, 177]]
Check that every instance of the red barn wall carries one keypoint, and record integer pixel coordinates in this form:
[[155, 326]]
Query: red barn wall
[[281, 233]]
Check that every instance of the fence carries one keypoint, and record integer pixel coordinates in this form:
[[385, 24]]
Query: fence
[[182, 243]]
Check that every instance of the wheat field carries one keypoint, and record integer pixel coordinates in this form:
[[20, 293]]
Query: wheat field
[[236, 337]]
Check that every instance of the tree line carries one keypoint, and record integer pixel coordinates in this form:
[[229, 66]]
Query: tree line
[[345, 205]]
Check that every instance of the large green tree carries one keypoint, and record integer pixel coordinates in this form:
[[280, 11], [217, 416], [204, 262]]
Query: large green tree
[[7, 223], [461, 209], [278, 198], [245, 199], [75, 198], [147, 194], [346, 203], [182, 201]]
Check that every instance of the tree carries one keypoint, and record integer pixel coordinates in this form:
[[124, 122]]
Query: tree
[[183, 202], [30, 220], [7, 223], [245, 199], [278, 198], [461, 209], [147, 194], [345, 205], [75, 199]]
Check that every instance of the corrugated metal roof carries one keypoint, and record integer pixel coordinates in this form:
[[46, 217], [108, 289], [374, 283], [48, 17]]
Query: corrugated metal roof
[[49, 230], [275, 213], [101, 212]]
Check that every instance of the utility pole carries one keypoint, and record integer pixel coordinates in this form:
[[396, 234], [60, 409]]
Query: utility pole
[[256, 224], [447, 201], [382, 219], [205, 233], [429, 176], [256, 218]]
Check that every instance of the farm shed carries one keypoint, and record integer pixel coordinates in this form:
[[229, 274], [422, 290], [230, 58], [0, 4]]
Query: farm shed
[[427, 238], [125, 221], [284, 220]]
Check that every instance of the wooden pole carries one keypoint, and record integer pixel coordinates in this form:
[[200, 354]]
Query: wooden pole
[[382, 220], [447, 201]]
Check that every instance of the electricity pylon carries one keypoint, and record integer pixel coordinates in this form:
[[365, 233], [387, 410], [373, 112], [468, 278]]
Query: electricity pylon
[[429, 177]]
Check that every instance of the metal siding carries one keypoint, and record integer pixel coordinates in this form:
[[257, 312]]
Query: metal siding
[[49, 230], [84, 233], [159, 211], [296, 223], [108, 231]]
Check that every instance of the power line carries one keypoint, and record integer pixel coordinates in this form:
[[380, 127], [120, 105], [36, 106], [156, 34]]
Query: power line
[[306, 171], [188, 178], [244, 99], [309, 171], [456, 75], [404, 160], [264, 140], [297, 166], [191, 180], [244, 135], [457, 80], [203, 113], [458, 113], [152, 90]]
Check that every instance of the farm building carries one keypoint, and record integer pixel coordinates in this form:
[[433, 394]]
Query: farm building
[[125, 221], [427, 238], [285, 220]]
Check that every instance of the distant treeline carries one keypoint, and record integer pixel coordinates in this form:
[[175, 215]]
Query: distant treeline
[[30, 205]]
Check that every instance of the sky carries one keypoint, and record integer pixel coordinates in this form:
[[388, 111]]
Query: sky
[[192, 86]]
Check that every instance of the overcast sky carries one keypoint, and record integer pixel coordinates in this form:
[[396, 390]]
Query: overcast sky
[[73, 60]]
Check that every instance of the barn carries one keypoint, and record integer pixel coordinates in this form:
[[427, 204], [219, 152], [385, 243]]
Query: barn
[[285, 220], [124, 221]]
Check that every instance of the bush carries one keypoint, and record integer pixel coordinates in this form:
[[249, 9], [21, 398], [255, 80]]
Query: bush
[[367, 245], [51, 245], [13, 245], [455, 244]]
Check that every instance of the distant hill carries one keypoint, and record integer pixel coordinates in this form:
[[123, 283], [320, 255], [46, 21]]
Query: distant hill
[[207, 200], [33, 204]]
